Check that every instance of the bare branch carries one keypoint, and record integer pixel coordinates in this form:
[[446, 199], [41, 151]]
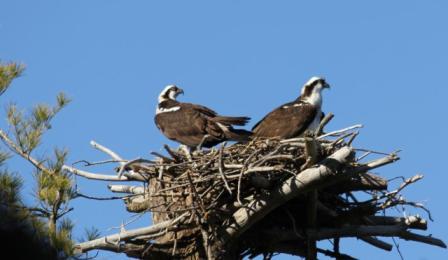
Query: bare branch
[[323, 123], [8, 142], [338, 132], [386, 231], [126, 235], [94, 176], [126, 189], [107, 151], [377, 243]]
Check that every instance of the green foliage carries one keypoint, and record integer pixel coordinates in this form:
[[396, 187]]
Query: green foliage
[[3, 157], [54, 186], [92, 233], [22, 228], [29, 128], [61, 240], [8, 72], [10, 186]]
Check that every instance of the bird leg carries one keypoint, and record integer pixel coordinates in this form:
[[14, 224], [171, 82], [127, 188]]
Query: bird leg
[[187, 151], [199, 147]]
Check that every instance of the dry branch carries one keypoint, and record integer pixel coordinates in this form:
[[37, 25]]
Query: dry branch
[[106, 242], [126, 189]]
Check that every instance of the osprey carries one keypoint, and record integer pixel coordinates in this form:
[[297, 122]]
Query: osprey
[[194, 125], [294, 118]]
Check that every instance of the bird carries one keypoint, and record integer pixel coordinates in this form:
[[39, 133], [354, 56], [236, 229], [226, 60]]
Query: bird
[[294, 118], [196, 126]]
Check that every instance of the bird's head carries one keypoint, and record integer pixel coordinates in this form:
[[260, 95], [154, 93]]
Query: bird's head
[[170, 92], [311, 91]]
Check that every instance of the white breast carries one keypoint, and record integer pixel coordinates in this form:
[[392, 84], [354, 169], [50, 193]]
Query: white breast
[[166, 110]]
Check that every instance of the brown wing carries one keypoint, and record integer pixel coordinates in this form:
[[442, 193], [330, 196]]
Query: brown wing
[[200, 109], [189, 125], [287, 121]]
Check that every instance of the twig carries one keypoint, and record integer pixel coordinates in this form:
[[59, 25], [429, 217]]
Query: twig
[[323, 123], [240, 177], [173, 154], [87, 163], [108, 151], [11, 145], [397, 246], [129, 163], [101, 198], [221, 171], [169, 160], [377, 243], [94, 176], [340, 131], [352, 138]]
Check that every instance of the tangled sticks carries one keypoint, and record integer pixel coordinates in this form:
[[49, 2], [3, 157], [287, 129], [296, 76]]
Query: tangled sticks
[[263, 197]]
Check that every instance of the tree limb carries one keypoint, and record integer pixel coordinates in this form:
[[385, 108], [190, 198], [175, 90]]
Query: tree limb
[[8, 142], [108, 241], [126, 189]]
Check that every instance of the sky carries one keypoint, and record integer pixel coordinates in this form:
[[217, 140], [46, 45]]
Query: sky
[[386, 61]]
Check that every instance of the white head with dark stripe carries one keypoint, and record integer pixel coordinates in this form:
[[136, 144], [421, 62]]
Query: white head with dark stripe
[[170, 92], [311, 91]]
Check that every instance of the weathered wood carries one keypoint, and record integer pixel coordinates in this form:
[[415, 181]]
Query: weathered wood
[[107, 241], [126, 189]]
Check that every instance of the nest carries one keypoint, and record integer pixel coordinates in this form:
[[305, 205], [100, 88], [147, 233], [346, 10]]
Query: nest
[[263, 197]]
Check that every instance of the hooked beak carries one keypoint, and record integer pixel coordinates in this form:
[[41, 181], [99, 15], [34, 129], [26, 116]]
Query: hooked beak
[[180, 91], [326, 85]]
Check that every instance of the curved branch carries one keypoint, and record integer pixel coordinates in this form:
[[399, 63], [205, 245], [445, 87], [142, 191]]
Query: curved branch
[[108, 151], [94, 176], [8, 142]]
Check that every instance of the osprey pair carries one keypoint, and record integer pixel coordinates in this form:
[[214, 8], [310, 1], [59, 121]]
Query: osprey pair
[[195, 125]]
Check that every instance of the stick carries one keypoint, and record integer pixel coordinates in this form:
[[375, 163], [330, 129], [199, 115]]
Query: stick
[[323, 123], [124, 236], [107, 151], [94, 176], [377, 243], [126, 189], [19, 151], [221, 170], [340, 131]]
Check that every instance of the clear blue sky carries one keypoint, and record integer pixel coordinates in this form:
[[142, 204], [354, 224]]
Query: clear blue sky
[[387, 62]]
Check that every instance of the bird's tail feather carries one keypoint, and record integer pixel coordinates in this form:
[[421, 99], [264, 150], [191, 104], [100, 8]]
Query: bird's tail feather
[[239, 135], [231, 120]]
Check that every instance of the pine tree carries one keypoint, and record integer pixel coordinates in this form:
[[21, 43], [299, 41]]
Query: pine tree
[[40, 231]]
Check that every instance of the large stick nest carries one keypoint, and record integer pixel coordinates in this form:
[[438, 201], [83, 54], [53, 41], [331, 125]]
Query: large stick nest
[[263, 197]]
